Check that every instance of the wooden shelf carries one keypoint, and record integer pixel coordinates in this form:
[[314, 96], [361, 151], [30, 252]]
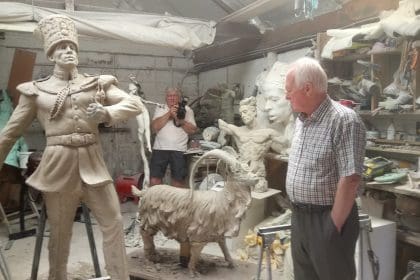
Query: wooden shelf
[[404, 189], [409, 237], [387, 114], [410, 152], [387, 52], [350, 57]]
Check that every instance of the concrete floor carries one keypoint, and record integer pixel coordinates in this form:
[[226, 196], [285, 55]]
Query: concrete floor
[[20, 254]]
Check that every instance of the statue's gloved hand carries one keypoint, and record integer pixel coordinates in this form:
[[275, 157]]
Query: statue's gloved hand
[[98, 112]]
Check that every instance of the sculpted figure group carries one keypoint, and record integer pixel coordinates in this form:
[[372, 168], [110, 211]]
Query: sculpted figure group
[[70, 106]]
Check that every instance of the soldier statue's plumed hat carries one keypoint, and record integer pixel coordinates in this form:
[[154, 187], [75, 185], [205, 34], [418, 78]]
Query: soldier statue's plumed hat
[[55, 29]]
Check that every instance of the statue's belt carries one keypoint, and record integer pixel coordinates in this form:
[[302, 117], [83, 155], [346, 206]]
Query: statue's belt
[[72, 140]]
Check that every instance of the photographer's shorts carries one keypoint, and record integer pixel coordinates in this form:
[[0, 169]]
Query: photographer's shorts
[[175, 159]]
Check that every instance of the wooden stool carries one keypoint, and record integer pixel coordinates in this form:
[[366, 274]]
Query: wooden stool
[[40, 235]]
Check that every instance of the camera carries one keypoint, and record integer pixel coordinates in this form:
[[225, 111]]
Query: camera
[[180, 114]]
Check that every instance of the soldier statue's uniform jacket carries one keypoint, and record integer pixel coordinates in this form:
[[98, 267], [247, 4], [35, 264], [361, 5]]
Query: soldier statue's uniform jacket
[[73, 153]]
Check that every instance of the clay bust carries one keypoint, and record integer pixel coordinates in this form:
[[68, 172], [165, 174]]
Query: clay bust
[[277, 107], [209, 108], [253, 143]]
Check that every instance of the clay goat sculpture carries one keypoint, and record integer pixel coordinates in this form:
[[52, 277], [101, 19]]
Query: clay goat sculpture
[[197, 217]]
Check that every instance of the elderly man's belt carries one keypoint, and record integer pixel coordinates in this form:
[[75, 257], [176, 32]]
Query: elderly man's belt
[[73, 140], [310, 207]]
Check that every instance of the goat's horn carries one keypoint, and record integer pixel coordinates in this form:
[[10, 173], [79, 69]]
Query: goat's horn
[[216, 153]]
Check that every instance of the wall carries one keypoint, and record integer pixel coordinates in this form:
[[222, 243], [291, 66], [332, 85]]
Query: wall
[[154, 67], [243, 73]]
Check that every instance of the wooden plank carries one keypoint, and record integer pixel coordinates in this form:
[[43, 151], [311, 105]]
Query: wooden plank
[[223, 5], [409, 237], [227, 50], [254, 9], [21, 71], [395, 151], [229, 30], [394, 188]]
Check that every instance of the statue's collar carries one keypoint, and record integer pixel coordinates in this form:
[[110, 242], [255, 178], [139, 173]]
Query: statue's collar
[[65, 75]]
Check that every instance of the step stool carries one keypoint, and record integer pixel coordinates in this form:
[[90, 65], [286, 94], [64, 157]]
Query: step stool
[[40, 235]]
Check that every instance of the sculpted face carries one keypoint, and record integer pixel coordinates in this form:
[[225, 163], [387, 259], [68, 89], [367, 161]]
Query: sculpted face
[[248, 113], [209, 112], [65, 55], [277, 107]]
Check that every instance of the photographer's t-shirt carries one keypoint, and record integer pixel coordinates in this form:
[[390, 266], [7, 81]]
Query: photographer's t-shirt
[[171, 137]]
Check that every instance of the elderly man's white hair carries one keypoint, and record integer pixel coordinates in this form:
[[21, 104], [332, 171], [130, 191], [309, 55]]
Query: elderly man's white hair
[[307, 69]]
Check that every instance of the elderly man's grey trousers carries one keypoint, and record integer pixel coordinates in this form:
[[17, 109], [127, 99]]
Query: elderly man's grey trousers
[[319, 251], [104, 204]]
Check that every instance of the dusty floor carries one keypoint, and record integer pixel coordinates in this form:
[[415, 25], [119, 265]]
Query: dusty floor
[[19, 254]]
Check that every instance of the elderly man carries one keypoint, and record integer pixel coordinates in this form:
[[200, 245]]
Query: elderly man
[[324, 171], [69, 107], [253, 143], [171, 140]]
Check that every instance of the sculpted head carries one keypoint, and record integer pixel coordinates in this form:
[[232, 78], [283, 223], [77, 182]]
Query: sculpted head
[[209, 108], [248, 109], [59, 35], [55, 29], [277, 107]]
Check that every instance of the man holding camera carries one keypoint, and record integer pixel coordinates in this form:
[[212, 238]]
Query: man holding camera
[[172, 125]]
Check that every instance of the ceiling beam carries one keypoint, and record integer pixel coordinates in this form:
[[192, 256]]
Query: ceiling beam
[[296, 35], [254, 9], [229, 30], [223, 5]]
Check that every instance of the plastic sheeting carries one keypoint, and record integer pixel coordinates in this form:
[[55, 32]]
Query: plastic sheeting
[[161, 30], [401, 22]]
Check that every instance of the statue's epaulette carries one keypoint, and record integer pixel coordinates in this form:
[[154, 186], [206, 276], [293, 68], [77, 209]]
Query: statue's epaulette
[[27, 89], [43, 79]]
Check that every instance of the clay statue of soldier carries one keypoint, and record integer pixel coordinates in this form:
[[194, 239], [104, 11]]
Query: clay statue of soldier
[[69, 107]]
